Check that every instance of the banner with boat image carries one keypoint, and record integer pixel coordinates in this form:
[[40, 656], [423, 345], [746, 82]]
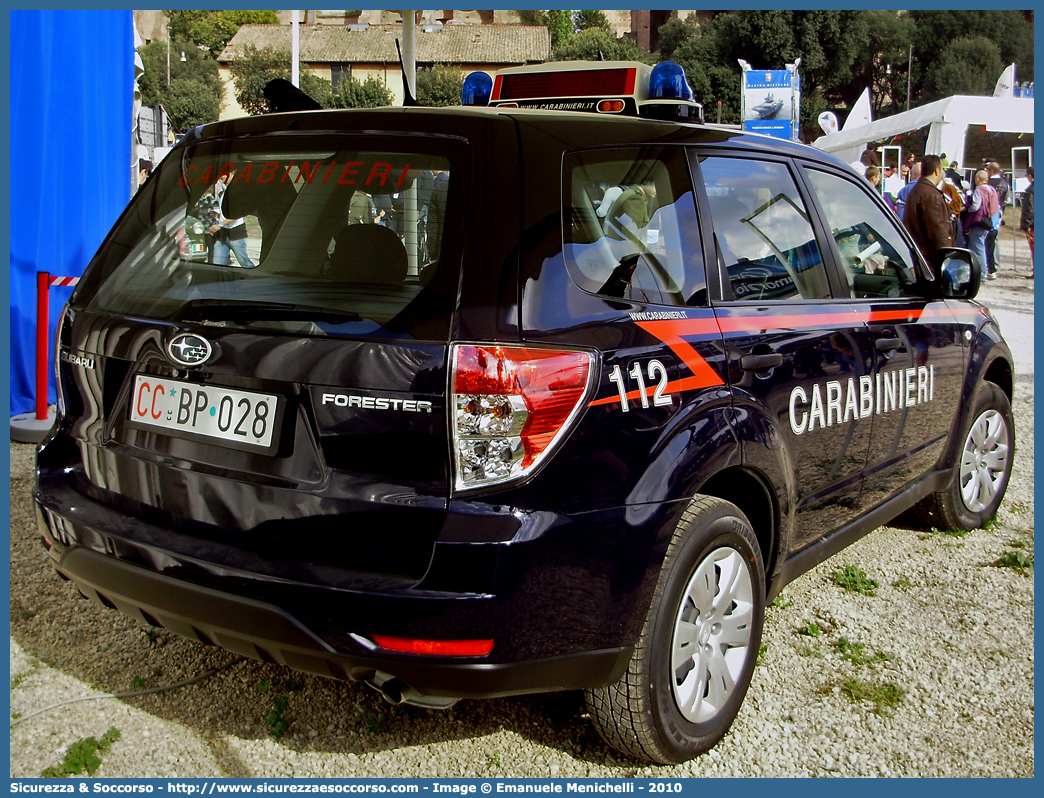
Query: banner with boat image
[[771, 101]]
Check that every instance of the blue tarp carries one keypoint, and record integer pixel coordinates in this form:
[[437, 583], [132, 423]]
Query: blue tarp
[[72, 85]]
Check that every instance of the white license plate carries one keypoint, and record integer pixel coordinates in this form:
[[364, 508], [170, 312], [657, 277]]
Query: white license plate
[[240, 419]]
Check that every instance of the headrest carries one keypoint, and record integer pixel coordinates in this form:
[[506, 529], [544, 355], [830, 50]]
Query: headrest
[[369, 253], [611, 195]]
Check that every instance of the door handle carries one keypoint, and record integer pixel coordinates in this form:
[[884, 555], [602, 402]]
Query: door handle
[[887, 344], [761, 362]]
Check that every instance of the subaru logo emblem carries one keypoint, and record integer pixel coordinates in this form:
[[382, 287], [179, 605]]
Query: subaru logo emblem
[[188, 349]]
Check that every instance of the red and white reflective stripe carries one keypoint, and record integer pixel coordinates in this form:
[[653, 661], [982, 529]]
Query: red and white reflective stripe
[[64, 280]]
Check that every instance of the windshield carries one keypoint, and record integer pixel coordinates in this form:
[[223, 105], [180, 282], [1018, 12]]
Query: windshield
[[322, 236]]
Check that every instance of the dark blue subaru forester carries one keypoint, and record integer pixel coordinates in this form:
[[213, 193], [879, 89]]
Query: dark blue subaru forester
[[550, 392]]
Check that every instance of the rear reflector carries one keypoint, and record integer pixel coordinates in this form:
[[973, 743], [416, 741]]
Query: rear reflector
[[443, 648]]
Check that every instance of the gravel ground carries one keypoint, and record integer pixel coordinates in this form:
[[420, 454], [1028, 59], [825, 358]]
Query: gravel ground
[[950, 630]]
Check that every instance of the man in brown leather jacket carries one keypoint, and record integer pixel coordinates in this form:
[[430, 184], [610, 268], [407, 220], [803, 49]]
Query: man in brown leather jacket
[[926, 215]]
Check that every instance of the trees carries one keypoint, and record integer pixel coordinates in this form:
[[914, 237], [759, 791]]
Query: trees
[[843, 52], [187, 105], [439, 86], [564, 25], [951, 54], [826, 41], [319, 89], [967, 66], [1009, 30], [214, 29], [559, 23], [882, 63], [194, 94], [711, 78], [581, 35], [586, 46], [255, 68], [250, 73], [370, 93], [590, 20], [675, 33]]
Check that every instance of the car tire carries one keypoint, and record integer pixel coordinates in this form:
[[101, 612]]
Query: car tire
[[981, 465], [687, 678]]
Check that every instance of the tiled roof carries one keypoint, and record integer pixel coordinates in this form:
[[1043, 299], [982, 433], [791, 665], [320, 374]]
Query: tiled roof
[[455, 44]]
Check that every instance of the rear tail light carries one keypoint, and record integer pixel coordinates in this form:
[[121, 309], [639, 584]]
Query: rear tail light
[[511, 406]]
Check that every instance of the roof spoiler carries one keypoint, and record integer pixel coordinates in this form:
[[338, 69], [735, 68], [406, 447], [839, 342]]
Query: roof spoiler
[[282, 96]]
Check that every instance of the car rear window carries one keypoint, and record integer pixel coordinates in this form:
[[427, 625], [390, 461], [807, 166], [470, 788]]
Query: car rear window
[[313, 235], [630, 226]]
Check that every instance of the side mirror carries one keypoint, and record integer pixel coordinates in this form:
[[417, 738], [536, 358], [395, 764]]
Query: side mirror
[[959, 273]]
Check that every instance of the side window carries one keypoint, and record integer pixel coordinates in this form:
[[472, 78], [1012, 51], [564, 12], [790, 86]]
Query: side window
[[876, 260], [762, 232], [629, 225]]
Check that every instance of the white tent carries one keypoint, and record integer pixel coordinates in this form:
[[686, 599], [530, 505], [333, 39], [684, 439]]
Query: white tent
[[949, 120]]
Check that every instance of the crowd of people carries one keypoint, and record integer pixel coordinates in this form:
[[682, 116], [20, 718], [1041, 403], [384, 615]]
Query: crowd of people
[[940, 210]]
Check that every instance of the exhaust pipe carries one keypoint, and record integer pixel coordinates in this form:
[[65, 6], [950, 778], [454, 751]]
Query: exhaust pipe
[[395, 691], [392, 690]]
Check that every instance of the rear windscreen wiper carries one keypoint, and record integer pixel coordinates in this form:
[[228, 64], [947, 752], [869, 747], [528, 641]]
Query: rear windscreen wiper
[[252, 310]]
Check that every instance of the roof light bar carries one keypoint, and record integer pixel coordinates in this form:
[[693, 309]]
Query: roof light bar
[[629, 88]]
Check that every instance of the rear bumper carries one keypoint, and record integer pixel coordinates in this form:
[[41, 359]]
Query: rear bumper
[[566, 596], [263, 631]]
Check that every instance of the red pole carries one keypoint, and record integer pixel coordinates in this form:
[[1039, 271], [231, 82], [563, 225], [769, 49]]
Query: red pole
[[43, 287]]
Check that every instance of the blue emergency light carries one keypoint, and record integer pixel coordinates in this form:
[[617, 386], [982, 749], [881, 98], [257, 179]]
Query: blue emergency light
[[478, 86], [667, 82]]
